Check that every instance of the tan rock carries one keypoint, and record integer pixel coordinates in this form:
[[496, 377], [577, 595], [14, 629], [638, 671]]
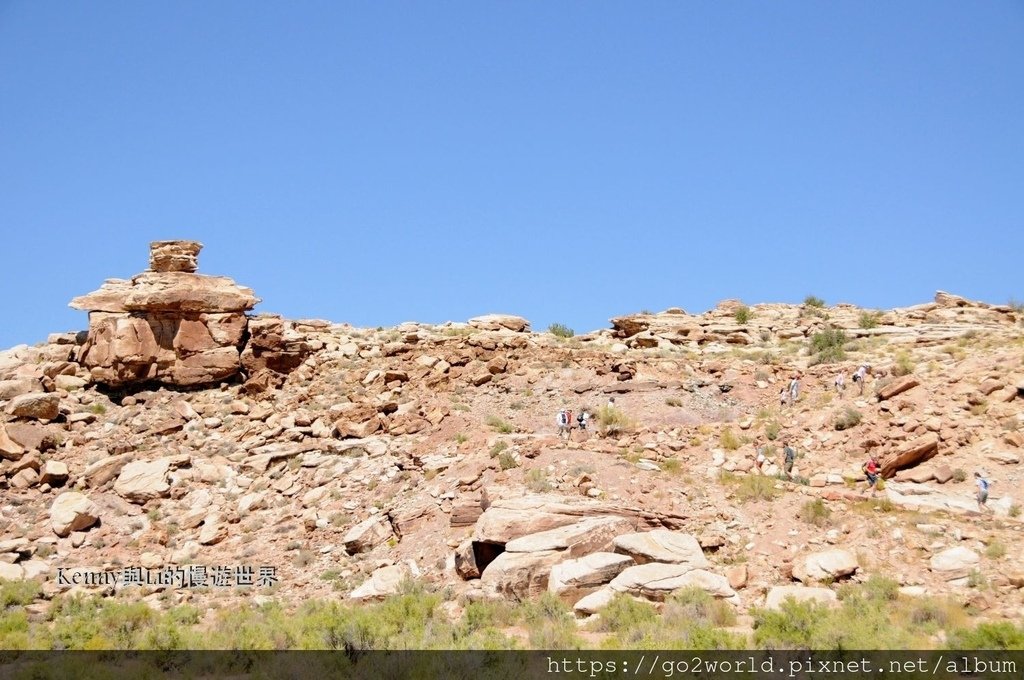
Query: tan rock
[[465, 561], [9, 449], [583, 537], [897, 386], [661, 545], [35, 405], [382, 582], [367, 534], [828, 564], [954, 563], [214, 531], [497, 322], [779, 594], [142, 480], [54, 473], [656, 581], [910, 454], [575, 578], [737, 576], [72, 511], [520, 576]]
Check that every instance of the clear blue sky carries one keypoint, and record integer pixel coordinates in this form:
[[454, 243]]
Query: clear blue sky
[[376, 162]]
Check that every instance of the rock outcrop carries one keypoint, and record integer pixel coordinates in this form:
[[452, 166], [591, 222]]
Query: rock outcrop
[[167, 325]]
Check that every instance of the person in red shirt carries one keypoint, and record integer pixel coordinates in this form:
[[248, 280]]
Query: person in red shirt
[[871, 471]]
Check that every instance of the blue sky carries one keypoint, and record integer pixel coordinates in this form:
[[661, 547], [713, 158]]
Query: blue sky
[[379, 162]]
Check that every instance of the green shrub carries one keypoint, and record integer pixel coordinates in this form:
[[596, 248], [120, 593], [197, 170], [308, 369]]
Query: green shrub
[[827, 346], [850, 417], [98, 409], [1014, 510], [498, 448], [904, 365], [625, 613], [959, 475], [756, 488], [995, 550], [815, 512], [507, 461], [461, 438], [500, 425], [772, 429], [988, 635], [743, 315], [674, 401], [814, 301], [870, 320], [18, 593], [612, 422], [537, 481], [561, 330], [728, 440], [693, 605]]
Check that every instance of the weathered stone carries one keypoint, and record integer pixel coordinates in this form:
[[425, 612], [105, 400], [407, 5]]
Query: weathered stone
[[382, 582], [953, 563], [583, 537], [662, 545], [594, 602], [779, 594], [465, 561], [575, 578], [105, 469], [497, 322], [897, 386], [54, 473], [213, 530], [520, 576], [143, 480], [166, 325], [9, 448], [369, 533], [72, 511], [910, 454], [36, 405], [656, 580], [829, 564]]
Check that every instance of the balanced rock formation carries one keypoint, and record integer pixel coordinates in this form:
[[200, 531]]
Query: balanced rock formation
[[167, 325]]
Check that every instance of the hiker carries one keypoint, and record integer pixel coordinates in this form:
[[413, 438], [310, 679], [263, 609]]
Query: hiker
[[611, 402], [759, 459], [841, 383], [790, 458], [871, 471], [582, 419], [794, 389], [563, 423], [782, 397], [983, 485], [859, 376], [568, 424]]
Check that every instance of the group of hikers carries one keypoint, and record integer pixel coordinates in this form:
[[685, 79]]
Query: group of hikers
[[791, 392]]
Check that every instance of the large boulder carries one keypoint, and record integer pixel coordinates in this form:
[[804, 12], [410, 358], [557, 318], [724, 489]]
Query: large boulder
[[661, 545], [369, 533], [383, 582], [167, 325], [72, 511], [575, 578], [143, 480], [954, 563], [897, 386], [779, 594], [9, 448], [35, 405], [829, 564], [520, 576], [656, 581], [498, 322], [583, 537], [910, 454]]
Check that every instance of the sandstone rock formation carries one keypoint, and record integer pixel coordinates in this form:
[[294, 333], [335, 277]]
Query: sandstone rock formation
[[166, 325]]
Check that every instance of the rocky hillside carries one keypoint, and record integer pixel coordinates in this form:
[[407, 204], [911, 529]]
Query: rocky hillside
[[338, 462]]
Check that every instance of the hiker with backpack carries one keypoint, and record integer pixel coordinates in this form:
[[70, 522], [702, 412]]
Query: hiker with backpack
[[983, 485], [582, 419], [789, 457], [563, 424], [794, 389], [783, 394], [841, 383], [872, 471], [859, 377]]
